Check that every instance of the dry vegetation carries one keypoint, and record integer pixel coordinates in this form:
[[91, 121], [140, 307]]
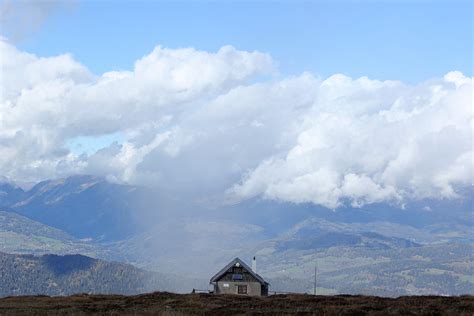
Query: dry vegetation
[[162, 303]]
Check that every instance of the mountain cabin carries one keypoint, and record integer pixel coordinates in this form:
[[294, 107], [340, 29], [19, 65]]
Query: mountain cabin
[[238, 278]]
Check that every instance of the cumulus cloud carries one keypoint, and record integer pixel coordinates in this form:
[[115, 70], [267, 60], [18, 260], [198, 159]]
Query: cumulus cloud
[[220, 125], [368, 141], [47, 101]]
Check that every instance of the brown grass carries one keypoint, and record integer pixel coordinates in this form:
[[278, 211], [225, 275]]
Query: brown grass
[[162, 303]]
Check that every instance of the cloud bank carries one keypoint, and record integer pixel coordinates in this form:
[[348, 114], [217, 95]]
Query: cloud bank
[[224, 125]]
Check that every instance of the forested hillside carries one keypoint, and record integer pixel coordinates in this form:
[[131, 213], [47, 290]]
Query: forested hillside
[[64, 275]]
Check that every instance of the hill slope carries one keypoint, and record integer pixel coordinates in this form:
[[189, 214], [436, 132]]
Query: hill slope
[[19, 234], [65, 275], [350, 261]]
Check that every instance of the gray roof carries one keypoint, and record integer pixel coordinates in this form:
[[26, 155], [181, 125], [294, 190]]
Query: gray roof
[[245, 266]]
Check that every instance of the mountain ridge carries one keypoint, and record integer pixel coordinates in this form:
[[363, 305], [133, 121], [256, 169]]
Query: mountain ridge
[[83, 206], [70, 274]]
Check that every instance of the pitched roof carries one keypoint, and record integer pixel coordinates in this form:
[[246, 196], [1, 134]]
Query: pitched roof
[[244, 265]]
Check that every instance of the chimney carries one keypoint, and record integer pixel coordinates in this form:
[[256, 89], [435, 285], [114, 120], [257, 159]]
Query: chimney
[[254, 265]]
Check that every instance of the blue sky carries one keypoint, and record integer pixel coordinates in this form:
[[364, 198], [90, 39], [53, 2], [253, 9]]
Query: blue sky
[[404, 40]]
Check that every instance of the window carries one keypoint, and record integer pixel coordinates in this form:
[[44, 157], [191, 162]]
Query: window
[[241, 289], [237, 277]]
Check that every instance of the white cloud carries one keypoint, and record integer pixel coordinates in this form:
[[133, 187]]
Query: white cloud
[[47, 101], [197, 124], [369, 141]]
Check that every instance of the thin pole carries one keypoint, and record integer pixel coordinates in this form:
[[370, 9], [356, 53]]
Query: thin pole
[[315, 272]]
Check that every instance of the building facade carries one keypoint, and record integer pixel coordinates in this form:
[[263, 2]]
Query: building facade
[[238, 278]]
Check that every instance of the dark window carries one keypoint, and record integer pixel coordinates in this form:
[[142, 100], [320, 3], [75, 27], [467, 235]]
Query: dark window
[[241, 289], [237, 277]]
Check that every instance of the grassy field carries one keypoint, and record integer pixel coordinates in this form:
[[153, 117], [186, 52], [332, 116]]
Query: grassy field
[[162, 303]]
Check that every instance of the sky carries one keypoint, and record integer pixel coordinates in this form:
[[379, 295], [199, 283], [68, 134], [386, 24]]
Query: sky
[[399, 40], [303, 102]]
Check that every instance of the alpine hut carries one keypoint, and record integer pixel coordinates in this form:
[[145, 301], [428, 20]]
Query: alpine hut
[[238, 278]]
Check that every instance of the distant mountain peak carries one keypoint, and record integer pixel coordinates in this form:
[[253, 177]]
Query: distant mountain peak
[[82, 205]]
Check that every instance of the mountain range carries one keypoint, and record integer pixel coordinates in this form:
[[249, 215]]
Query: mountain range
[[83, 206], [423, 248]]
